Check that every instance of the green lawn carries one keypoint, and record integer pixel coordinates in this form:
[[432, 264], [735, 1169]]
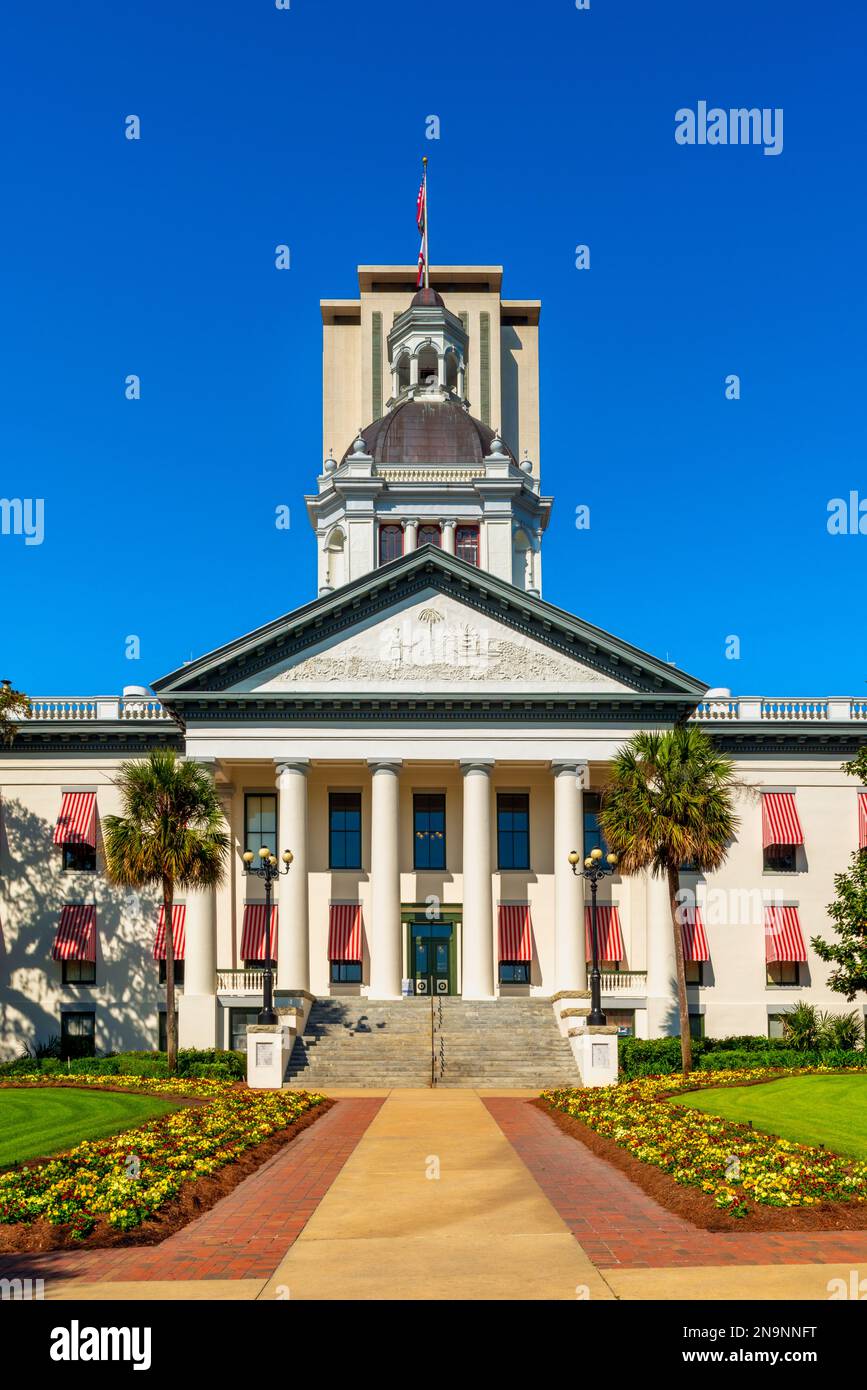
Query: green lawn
[[829, 1110], [47, 1120]]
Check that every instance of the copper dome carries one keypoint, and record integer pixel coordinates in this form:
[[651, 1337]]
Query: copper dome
[[437, 432]]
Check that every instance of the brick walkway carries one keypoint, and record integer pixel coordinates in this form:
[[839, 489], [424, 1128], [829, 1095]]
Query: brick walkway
[[247, 1234], [619, 1225]]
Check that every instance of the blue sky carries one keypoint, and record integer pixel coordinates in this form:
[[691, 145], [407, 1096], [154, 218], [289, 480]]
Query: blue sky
[[305, 126]]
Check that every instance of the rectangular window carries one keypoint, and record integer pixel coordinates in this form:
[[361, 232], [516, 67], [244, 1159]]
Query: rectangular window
[[781, 859], [79, 972], [77, 1035], [179, 972], [390, 543], [784, 972], [694, 972], [696, 1025], [429, 830], [80, 858], [513, 830], [514, 972], [162, 1031], [346, 972], [467, 544], [260, 821], [238, 1021], [775, 1025], [623, 1020], [592, 834], [429, 535], [344, 830]]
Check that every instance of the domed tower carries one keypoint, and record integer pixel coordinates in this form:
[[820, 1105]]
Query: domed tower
[[427, 471]]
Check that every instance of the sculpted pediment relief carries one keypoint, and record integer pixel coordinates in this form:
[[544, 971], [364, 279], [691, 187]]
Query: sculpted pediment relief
[[437, 643]]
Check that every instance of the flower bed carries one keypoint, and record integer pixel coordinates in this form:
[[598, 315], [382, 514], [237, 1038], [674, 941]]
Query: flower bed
[[123, 1181], [738, 1167]]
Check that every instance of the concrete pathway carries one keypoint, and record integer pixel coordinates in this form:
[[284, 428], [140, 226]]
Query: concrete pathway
[[435, 1203]]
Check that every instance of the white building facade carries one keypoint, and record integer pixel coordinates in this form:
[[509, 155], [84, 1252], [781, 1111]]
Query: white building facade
[[430, 739]]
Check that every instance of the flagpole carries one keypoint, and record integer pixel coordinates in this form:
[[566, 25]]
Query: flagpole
[[426, 253]]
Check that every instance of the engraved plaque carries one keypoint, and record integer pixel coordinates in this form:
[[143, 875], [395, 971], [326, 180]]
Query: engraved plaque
[[264, 1054]]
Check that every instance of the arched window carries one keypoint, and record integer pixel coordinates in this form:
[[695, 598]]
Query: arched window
[[335, 558], [452, 371], [522, 560], [429, 535], [467, 544], [403, 372], [428, 366], [390, 543]]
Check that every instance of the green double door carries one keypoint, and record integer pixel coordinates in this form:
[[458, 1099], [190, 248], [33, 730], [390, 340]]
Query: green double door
[[432, 957]]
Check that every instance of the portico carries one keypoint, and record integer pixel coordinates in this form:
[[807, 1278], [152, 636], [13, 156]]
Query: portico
[[382, 863]]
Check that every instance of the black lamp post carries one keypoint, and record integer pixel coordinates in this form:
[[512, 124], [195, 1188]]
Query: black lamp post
[[594, 871], [268, 869]]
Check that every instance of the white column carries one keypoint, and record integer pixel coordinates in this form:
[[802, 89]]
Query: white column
[[293, 949], [449, 537], [197, 1005], [571, 967], [385, 943], [200, 965], [478, 927], [441, 370], [662, 1016], [410, 536]]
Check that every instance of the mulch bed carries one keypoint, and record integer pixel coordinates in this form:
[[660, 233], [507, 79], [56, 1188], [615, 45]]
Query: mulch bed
[[699, 1208], [195, 1199]]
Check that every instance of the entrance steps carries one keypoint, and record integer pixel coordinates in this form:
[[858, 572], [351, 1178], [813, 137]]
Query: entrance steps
[[489, 1043]]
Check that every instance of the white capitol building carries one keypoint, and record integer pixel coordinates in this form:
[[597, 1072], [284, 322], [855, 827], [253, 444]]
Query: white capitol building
[[429, 737]]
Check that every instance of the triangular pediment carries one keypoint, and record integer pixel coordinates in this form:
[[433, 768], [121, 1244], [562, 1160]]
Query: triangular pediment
[[427, 624]]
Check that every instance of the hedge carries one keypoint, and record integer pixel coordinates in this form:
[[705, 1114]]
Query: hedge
[[661, 1056], [196, 1062]]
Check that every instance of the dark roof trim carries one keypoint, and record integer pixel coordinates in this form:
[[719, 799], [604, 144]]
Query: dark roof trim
[[363, 598]]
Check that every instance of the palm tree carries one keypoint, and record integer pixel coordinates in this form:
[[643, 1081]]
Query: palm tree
[[670, 802], [171, 835]]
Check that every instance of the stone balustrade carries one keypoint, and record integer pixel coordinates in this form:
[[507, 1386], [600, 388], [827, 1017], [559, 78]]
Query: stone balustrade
[[70, 709], [780, 710]]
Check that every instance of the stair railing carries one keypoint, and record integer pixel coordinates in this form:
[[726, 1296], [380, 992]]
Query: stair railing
[[437, 1053]]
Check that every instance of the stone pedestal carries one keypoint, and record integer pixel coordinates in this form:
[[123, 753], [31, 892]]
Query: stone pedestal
[[595, 1051], [268, 1049]]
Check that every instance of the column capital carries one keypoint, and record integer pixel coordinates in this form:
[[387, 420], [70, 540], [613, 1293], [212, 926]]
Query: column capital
[[301, 765], [476, 765], [569, 766], [385, 764], [450, 522]]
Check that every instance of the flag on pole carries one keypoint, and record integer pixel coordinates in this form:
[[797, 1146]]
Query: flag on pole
[[421, 206], [420, 275]]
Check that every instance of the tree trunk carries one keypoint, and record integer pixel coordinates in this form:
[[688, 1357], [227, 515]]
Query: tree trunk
[[171, 1017], [682, 1005]]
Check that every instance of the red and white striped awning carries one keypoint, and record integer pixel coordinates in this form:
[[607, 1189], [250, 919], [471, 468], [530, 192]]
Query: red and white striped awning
[[76, 934], [253, 932], [784, 940], [780, 824], [179, 932], [695, 947], [608, 928], [516, 932], [344, 931], [862, 820], [76, 824]]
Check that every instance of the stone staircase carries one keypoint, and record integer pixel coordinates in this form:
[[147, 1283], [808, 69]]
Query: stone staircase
[[489, 1043]]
